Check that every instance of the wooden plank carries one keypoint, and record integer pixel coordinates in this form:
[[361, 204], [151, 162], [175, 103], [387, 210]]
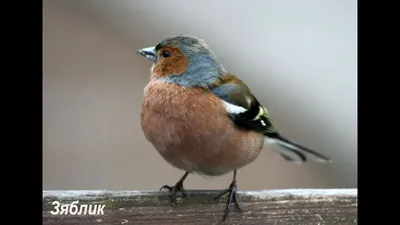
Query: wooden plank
[[292, 206]]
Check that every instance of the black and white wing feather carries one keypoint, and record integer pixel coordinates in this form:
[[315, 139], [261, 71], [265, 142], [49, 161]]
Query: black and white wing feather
[[247, 113]]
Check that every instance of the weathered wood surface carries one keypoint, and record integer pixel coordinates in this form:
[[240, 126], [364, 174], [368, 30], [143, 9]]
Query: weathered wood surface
[[295, 206]]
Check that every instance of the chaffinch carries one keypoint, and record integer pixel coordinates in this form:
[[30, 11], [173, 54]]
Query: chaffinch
[[203, 119]]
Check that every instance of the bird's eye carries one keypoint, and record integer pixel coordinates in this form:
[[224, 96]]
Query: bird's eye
[[165, 54]]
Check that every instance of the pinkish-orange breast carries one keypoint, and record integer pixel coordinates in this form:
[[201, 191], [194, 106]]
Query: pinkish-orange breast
[[190, 129]]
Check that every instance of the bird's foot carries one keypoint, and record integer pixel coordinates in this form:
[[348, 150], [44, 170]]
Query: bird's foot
[[232, 190], [178, 187]]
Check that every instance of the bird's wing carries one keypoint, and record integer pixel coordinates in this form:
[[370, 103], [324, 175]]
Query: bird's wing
[[246, 112], [243, 108]]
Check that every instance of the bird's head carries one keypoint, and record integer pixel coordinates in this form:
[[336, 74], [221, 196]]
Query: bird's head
[[184, 60]]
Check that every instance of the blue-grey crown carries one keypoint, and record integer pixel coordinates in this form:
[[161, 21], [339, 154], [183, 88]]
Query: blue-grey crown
[[203, 66]]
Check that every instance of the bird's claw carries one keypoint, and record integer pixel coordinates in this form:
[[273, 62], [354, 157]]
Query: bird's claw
[[167, 187], [232, 190], [178, 187]]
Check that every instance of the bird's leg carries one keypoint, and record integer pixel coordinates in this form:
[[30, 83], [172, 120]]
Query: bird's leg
[[178, 187], [232, 190]]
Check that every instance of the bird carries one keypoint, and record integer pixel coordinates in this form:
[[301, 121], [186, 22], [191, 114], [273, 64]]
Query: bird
[[203, 119]]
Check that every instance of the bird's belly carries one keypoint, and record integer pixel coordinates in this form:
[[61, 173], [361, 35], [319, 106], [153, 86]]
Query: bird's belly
[[199, 150], [192, 132]]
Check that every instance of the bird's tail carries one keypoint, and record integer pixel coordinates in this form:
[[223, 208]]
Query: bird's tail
[[292, 151]]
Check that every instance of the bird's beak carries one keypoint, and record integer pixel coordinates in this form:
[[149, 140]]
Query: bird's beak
[[149, 53]]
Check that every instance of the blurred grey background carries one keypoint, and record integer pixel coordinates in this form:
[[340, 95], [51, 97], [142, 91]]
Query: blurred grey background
[[299, 58]]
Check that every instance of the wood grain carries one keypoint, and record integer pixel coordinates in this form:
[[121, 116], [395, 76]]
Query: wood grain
[[293, 206]]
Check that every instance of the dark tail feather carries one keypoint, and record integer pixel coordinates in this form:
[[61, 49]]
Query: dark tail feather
[[295, 156], [294, 152]]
